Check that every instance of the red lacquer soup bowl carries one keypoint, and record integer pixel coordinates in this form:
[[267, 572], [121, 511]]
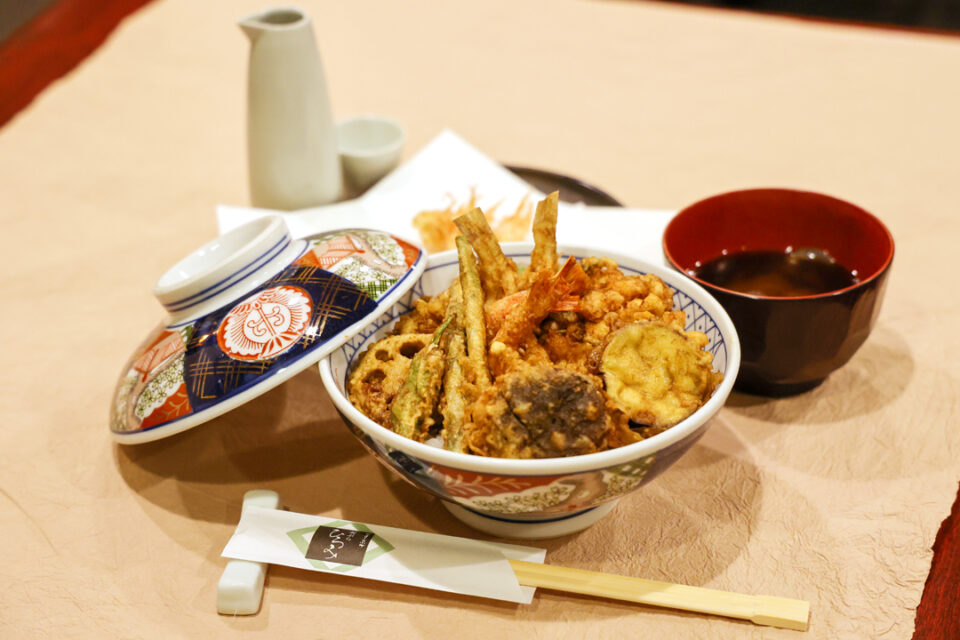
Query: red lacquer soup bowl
[[788, 344]]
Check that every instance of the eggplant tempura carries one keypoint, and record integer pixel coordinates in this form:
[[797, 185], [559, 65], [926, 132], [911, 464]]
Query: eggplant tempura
[[554, 360]]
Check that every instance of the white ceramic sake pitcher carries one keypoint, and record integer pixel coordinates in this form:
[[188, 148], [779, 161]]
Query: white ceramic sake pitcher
[[291, 140]]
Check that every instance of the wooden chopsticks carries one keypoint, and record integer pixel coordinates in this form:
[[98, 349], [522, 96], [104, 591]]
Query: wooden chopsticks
[[764, 610]]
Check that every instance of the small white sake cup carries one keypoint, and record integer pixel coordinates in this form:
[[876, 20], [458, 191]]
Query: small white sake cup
[[369, 147]]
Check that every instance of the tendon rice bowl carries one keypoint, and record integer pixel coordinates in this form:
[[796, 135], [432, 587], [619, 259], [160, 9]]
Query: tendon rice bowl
[[530, 498]]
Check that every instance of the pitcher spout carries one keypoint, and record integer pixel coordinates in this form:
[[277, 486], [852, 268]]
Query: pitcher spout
[[273, 19], [291, 141]]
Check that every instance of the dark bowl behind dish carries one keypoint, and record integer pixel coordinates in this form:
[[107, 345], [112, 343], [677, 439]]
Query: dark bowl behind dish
[[788, 345]]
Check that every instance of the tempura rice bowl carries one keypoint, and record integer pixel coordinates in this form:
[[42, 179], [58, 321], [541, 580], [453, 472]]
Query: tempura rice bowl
[[547, 497]]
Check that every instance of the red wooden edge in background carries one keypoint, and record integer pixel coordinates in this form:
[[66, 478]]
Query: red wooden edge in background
[[52, 44], [58, 39], [938, 615]]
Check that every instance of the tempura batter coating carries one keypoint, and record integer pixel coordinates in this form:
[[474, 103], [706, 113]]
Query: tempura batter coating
[[656, 374], [540, 412], [542, 363], [428, 313], [382, 369]]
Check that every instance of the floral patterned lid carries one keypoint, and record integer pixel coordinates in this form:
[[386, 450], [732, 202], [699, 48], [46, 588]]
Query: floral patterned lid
[[250, 310]]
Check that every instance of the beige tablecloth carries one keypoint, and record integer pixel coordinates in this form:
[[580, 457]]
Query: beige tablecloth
[[834, 496]]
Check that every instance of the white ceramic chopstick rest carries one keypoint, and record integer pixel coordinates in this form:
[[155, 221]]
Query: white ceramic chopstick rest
[[240, 589]]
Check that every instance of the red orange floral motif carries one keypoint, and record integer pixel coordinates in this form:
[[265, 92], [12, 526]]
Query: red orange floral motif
[[168, 344], [410, 252], [308, 259], [465, 484], [176, 406], [333, 251], [266, 324]]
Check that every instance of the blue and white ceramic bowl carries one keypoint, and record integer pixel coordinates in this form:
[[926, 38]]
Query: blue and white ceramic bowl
[[547, 497]]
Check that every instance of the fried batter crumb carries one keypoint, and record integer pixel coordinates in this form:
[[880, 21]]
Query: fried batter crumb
[[609, 365]]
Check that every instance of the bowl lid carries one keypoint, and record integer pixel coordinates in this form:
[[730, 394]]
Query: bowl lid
[[250, 310]]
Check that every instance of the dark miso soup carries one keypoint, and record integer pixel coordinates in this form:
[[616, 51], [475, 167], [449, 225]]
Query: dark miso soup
[[790, 273]]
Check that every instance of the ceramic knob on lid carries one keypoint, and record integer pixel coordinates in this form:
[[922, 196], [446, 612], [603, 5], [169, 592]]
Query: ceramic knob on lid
[[249, 310], [226, 268]]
